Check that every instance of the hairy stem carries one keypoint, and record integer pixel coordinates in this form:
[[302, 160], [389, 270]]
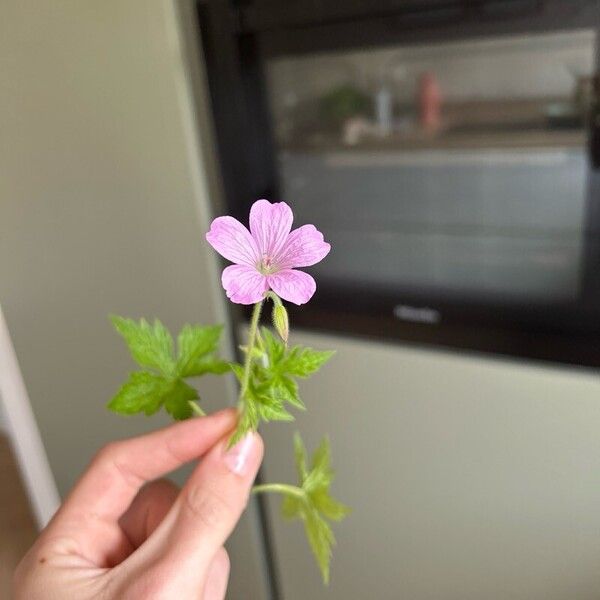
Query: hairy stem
[[279, 488], [250, 346]]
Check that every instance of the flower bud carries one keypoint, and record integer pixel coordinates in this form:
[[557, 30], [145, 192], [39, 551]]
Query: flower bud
[[281, 321]]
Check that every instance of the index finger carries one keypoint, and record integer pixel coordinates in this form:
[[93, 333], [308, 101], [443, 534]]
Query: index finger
[[107, 488]]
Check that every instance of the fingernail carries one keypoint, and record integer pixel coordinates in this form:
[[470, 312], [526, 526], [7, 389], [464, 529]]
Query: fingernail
[[236, 458]]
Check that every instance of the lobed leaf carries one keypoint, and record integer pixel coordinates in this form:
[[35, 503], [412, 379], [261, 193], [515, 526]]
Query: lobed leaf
[[303, 362], [292, 507], [287, 389], [177, 400], [272, 375], [328, 506], [196, 345], [150, 345], [143, 392], [274, 347], [316, 504], [208, 364], [300, 458], [320, 538]]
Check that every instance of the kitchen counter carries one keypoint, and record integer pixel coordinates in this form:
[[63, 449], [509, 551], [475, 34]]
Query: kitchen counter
[[549, 123], [535, 138]]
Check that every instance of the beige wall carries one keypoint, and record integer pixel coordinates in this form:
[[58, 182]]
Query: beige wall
[[103, 205], [98, 208]]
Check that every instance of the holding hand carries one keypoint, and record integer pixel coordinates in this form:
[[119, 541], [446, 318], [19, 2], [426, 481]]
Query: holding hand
[[121, 534]]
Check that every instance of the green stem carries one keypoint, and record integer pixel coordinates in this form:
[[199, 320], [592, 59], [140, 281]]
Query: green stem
[[279, 488], [196, 409], [274, 297], [249, 347]]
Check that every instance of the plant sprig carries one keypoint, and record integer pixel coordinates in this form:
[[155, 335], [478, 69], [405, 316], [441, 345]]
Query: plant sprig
[[268, 378], [268, 386], [267, 259], [311, 500]]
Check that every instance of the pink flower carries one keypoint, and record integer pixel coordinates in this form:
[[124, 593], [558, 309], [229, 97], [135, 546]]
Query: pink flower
[[266, 256]]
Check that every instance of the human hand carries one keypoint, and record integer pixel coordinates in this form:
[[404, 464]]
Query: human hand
[[118, 536]]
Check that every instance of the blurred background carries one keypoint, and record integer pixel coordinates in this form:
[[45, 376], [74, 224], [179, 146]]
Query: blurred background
[[448, 149]]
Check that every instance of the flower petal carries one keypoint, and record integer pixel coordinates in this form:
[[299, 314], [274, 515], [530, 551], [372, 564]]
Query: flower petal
[[270, 225], [233, 241], [244, 285], [304, 247], [294, 286]]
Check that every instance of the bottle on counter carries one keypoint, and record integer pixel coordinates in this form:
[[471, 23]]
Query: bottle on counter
[[384, 110], [430, 103]]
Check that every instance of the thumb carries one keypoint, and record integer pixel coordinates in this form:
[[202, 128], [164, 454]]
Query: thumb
[[214, 498], [184, 545]]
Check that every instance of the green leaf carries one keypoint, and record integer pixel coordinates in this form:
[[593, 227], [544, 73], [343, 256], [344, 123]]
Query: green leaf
[[328, 506], [273, 412], [274, 347], [279, 367], [311, 501], [196, 346], [268, 406], [321, 540], [303, 362], [143, 392], [209, 364], [321, 459], [238, 371], [248, 421], [318, 503], [286, 388], [177, 400], [256, 352], [300, 458], [147, 392], [150, 345], [292, 507]]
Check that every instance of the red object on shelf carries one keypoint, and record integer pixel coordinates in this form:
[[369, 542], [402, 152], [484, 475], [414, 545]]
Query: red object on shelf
[[430, 102]]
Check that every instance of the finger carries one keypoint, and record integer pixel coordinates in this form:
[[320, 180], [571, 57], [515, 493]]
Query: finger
[[120, 469], [205, 513], [213, 499], [89, 517], [147, 510], [217, 577]]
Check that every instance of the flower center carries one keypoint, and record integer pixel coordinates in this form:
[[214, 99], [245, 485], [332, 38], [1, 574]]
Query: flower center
[[266, 266]]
